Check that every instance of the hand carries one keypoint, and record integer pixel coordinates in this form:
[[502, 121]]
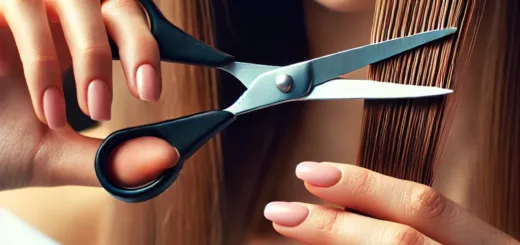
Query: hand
[[396, 211], [34, 50]]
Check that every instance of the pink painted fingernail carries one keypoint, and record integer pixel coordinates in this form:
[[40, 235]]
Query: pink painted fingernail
[[286, 214], [148, 85], [54, 108], [318, 174], [99, 101]]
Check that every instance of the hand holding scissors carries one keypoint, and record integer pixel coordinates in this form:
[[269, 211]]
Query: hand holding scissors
[[315, 79], [39, 42]]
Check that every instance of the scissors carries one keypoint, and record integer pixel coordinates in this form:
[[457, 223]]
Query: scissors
[[267, 86]]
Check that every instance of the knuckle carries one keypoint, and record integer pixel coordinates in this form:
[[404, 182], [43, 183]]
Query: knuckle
[[361, 182], [96, 50], [427, 203], [330, 224], [41, 61], [405, 236]]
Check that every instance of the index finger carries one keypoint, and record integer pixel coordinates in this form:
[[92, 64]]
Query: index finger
[[405, 202]]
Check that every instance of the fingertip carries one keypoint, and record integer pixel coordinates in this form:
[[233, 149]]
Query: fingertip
[[141, 160], [285, 213], [54, 108], [99, 101], [148, 83], [318, 174]]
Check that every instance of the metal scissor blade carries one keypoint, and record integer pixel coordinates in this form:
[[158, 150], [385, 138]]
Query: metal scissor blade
[[343, 89], [367, 89], [334, 65], [247, 72]]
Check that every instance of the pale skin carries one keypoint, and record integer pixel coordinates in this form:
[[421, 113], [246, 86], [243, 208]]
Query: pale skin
[[43, 151]]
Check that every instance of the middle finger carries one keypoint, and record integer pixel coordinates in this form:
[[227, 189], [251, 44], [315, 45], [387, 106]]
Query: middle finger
[[87, 39]]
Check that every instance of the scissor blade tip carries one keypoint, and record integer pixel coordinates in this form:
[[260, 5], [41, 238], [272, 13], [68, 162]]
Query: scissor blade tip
[[449, 31], [443, 91], [452, 29], [428, 91], [446, 31]]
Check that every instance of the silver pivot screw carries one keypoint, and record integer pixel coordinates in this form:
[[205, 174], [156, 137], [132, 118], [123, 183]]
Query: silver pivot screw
[[285, 83]]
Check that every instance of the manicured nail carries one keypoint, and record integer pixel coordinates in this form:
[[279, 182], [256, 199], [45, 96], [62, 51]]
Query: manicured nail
[[318, 174], [54, 108], [99, 101], [148, 85], [286, 214]]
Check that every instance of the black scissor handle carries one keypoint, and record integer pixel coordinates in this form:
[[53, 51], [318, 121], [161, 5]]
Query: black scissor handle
[[175, 45], [187, 134]]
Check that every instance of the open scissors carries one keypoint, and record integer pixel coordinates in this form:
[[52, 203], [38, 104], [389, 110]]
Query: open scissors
[[315, 79]]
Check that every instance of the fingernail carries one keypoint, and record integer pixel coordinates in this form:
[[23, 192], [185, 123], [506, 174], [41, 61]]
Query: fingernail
[[318, 174], [286, 214], [54, 108], [99, 101], [148, 85]]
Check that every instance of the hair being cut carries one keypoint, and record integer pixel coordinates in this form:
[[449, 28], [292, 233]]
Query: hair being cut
[[404, 138]]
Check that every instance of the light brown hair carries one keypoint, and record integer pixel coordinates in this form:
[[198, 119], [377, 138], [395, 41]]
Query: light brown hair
[[497, 191], [405, 138]]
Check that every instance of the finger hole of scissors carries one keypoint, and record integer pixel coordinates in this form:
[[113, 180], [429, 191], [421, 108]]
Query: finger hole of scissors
[[138, 162]]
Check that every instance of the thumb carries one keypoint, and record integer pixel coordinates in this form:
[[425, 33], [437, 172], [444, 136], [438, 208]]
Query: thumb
[[141, 160], [69, 160]]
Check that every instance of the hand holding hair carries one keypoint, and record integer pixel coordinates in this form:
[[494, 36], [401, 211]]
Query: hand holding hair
[[397, 211]]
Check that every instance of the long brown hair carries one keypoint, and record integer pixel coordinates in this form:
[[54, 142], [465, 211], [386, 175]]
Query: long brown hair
[[497, 176]]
